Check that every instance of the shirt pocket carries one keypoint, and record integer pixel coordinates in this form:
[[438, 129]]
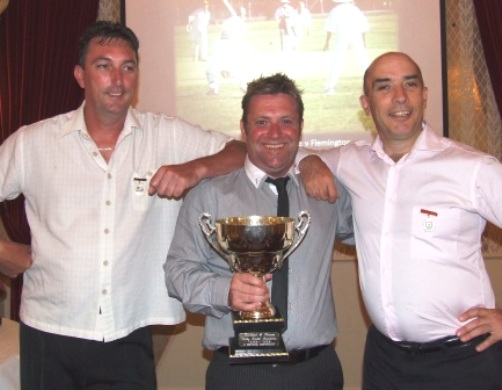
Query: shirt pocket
[[434, 232], [141, 201]]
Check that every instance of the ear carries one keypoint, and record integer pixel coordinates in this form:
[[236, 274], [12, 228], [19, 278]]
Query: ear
[[243, 132], [78, 73], [363, 100], [426, 94]]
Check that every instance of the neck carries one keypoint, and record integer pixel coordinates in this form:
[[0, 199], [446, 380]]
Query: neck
[[103, 125], [396, 156], [396, 149]]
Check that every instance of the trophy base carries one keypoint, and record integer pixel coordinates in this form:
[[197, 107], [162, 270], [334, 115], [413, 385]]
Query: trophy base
[[239, 355], [257, 341]]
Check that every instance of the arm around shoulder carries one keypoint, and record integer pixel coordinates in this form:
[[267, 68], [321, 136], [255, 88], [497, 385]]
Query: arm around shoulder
[[172, 181], [318, 179], [230, 158]]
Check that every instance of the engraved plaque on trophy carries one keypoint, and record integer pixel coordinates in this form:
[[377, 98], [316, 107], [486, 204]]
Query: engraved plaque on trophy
[[257, 245]]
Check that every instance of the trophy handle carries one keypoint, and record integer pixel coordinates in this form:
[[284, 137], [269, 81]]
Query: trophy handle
[[301, 228], [208, 229]]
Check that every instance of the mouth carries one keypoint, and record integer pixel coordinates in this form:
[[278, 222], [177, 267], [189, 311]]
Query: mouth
[[116, 94], [400, 114], [274, 146]]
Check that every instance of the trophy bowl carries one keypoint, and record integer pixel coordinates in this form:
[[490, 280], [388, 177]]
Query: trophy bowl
[[256, 245]]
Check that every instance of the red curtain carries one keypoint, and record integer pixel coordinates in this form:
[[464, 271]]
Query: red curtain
[[38, 46], [489, 16]]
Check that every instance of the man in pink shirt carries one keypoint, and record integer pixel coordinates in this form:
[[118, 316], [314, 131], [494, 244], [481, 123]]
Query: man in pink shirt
[[420, 204]]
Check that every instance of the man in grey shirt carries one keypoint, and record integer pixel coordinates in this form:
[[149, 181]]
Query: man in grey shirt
[[271, 124]]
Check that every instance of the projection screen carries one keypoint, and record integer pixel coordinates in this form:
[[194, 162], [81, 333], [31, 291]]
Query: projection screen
[[241, 40]]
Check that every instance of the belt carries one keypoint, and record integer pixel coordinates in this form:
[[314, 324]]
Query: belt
[[295, 355], [446, 343], [302, 355]]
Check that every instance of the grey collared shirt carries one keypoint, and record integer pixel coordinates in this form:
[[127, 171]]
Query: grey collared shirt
[[200, 278]]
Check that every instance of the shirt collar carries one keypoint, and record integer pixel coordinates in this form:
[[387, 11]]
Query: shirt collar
[[77, 122], [258, 177], [428, 140]]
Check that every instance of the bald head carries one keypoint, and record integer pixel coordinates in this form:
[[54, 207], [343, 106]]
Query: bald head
[[385, 60]]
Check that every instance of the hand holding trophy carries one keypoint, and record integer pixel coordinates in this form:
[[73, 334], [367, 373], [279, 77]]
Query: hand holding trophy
[[257, 245]]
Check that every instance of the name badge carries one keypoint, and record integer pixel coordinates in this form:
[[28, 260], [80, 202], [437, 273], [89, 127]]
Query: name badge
[[140, 183], [429, 223]]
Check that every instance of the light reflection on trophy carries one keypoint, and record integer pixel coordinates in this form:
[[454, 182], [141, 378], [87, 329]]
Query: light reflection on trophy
[[257, 245]]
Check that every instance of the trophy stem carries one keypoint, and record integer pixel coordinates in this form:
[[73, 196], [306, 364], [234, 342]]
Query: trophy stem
[[266, 310]]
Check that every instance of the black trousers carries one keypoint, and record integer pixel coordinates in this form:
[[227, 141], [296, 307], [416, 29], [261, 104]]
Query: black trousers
[[387, 367], [320, 373], [53, 362]]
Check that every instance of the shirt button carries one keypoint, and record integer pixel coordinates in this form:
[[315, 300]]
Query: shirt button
[[105, 263], [108, 203], [107, 231], [94, 154], [109, 176], [104, 291]]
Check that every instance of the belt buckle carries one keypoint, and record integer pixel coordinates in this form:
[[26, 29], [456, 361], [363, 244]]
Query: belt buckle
[[419, 349]]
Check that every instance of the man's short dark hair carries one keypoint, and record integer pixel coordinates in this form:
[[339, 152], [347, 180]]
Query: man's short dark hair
[[272, 85], [106, 31]]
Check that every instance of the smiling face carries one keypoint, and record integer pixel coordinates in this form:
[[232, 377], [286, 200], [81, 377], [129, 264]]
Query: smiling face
[[396, 98], [109, 77], [272, 132]]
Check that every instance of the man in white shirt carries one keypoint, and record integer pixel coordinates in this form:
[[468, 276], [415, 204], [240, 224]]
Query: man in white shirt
[[93, 282], [349, 25], [229, 54], [197, 26], [420, 204], [287, 17]]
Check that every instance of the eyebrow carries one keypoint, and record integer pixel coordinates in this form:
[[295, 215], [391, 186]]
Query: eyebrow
[[108, 59], [414, 76]]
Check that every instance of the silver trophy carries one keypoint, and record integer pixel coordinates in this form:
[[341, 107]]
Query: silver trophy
[[256, 245]]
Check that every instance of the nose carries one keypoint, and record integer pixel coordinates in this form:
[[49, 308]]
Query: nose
[[275, 130], [117, 77], [400, 94]]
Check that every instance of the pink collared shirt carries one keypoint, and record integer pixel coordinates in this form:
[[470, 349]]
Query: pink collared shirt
[[418, 225]]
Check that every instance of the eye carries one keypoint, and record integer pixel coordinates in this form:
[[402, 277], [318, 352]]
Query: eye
[[130, 68], [383, 87], [287, 122], [411, 84]]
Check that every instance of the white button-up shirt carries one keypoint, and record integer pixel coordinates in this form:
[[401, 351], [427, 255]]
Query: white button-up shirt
[[98, 240], [418, 225]]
